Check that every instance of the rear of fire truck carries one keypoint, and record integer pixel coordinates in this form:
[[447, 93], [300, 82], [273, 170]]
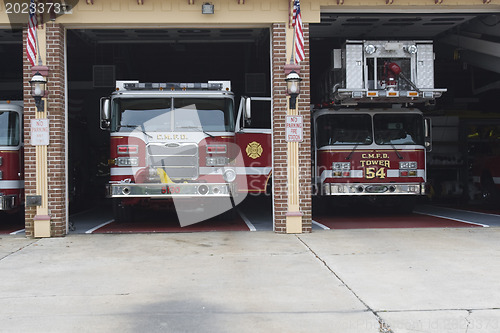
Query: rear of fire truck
[[172, 144], [369, 140], [11, 157]]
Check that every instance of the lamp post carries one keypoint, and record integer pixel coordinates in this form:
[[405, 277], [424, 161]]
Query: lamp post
[[38, 83], [293, 87], [40, 140], [293, 214]]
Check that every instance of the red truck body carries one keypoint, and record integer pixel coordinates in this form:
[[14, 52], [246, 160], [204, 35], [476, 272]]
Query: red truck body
[[176, 143], [11, 157]]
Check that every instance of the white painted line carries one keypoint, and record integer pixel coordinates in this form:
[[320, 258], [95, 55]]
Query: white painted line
[[472, 212], [452, 218], [99, 226], [322, 226], [247, 221], [17, 232]]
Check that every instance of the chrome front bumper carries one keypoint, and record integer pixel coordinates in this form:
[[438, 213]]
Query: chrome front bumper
[[166, 191], [372, 189]]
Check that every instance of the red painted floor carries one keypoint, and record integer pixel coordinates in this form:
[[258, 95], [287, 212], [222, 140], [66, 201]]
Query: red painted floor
[[359, 221], [170, 223]]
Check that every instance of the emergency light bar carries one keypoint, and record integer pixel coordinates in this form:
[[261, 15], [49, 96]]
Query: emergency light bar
[[174, 86]]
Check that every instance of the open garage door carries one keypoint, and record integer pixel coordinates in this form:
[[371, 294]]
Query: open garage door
[[465, 151], [11, 146], [11, 66], [99, 57]]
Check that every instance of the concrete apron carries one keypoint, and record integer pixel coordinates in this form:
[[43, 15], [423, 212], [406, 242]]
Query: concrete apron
[[413, 280]]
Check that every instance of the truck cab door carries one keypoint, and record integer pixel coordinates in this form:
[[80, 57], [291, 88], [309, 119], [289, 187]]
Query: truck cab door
[[254, 138]]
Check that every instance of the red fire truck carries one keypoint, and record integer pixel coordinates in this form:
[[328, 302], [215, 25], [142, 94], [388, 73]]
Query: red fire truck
[[368, 141], [176, 143], [11, 157]]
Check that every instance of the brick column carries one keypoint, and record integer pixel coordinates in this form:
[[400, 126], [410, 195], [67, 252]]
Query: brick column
[[56, 149], [280, 182]]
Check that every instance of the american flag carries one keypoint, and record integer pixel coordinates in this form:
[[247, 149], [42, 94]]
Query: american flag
[[31, 42], [299, 34]]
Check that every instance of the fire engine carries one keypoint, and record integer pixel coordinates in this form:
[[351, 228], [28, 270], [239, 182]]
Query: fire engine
[[176, 143], [369, 141], [11, 157]]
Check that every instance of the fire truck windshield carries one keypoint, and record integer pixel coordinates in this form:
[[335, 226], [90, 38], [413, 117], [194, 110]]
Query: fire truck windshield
[[186, 115], [9, 128], [398, 129], [343, 129]]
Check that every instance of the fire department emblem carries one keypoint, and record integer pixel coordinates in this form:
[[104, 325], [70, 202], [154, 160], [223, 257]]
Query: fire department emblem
[[254, 150]]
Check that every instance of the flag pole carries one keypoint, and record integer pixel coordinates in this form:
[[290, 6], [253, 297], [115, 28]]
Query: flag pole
[[40, 62]]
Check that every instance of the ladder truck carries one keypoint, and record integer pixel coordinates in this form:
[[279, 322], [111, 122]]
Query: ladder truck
[[369, 140]]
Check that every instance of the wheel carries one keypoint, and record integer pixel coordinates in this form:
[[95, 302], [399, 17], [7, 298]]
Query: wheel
[[489, 190], [229, 215], [406, 204], [121, 212]]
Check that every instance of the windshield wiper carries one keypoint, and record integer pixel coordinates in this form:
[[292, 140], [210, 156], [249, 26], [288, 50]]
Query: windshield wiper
[[137, 126], [348, 157], [397, 152], [197, 128]]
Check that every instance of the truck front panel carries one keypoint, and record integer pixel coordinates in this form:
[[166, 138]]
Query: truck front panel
[[171, 164], [371, 171]]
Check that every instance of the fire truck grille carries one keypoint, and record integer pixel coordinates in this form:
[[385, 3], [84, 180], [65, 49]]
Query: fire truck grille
[[180, 161]]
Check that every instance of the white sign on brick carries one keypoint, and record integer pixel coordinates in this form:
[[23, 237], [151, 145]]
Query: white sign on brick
[[39, 132], [294, 129]]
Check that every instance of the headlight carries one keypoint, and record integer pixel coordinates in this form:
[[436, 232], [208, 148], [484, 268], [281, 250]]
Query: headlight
[[1, 160], [407, 165], [411, 49], [1, 174], [341, 166], [370, 49], [341, 169], [127, 161], [229, 175], [217, 161]]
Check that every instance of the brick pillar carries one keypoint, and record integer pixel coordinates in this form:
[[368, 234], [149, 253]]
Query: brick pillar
[[56, 149], [280, 182]]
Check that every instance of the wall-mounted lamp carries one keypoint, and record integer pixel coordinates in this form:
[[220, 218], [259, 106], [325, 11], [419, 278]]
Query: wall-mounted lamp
[[207, 8], [38, 83], [293, 87]]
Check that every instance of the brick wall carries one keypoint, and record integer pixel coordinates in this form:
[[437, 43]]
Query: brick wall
[[280, 183], [56, 149]]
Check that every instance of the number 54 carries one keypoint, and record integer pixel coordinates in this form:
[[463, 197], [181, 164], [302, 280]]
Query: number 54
[[371, 173]]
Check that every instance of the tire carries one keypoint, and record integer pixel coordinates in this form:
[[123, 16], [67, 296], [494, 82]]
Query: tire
[[121, 212], [488, 188], [229, 215], [406, 204]]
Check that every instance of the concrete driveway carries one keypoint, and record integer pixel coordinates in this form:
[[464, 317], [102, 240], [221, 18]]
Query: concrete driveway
[[372, 280]]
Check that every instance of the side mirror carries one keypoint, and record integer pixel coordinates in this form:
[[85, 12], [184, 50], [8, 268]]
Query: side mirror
[[428, 134], [248, 111], [105, 113]]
